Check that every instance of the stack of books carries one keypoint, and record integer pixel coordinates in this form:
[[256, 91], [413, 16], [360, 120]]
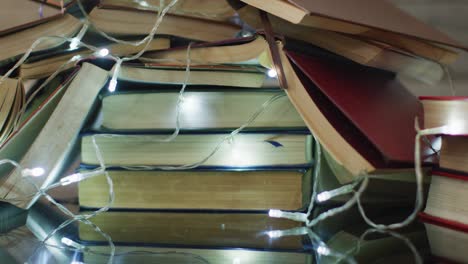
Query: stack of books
[[446, 216], [326, 69]]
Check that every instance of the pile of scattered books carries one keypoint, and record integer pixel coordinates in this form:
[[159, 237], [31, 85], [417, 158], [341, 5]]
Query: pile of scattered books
[[324, 68]]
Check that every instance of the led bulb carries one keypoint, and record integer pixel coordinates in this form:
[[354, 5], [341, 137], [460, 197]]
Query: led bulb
[[322, 250], [36, 172], [71, 243], [103, 52], [112, 85], [275, 233], [74, 43], [71, 179], [323, 196], [272, 73], [275, 213]]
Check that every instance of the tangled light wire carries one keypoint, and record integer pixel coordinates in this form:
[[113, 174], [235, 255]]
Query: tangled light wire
[[350, 188]]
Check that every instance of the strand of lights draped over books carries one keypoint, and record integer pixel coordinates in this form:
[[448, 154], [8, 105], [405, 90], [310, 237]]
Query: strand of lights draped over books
[[189, 104]]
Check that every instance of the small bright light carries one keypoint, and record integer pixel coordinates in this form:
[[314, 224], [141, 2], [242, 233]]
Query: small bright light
[[275, 213], [454, 128], [71, 179], [36, 172], [274, 233], [324, 251], [76, 57], [74, 43], [143, 3], [112, 85], [272, 73], [236, 261], [103, 52], [323, 196], [67, 241]]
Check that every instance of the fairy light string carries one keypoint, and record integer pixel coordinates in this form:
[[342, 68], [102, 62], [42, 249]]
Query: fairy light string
[[76, 41]]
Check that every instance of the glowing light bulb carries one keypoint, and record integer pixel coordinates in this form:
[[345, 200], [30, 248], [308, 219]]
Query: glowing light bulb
[[74, 43], [275, 233], [36, 172], [143, 3], [275, 213], [67, 241], [112, 85], [71, 243], [272, 73], [295, 216], [71, 179], [323, 196], [322, 250], [103, 52]]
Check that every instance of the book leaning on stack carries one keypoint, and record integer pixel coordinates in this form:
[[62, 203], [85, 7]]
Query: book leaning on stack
[[446, 214]]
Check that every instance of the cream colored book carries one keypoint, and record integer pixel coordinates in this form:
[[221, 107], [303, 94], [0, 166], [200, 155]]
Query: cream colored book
[[194, 189], [206, 9], [54, 142], [365, 52], [376, 20], [251, 51], [40, 68], [242, 76], [219, 110], [244, 151], [126, 22], [19, 42]]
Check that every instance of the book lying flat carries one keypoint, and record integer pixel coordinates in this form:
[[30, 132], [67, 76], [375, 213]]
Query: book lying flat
[[16, 44], [336, 110], [197, 229], [126, 22], [448, 114], [194, 189], [378, 20], [448, 239], [242, 76], [44, 65], [446, 111], [56, 136], [16, 15], [221, 109], [447, 196], [255, 150], [206, 9], [366, 52], [453, 154]]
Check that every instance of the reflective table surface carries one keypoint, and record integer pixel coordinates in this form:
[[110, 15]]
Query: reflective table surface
[[208, 237]]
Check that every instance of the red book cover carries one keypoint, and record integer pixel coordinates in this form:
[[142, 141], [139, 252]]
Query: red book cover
[[381, 110]]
